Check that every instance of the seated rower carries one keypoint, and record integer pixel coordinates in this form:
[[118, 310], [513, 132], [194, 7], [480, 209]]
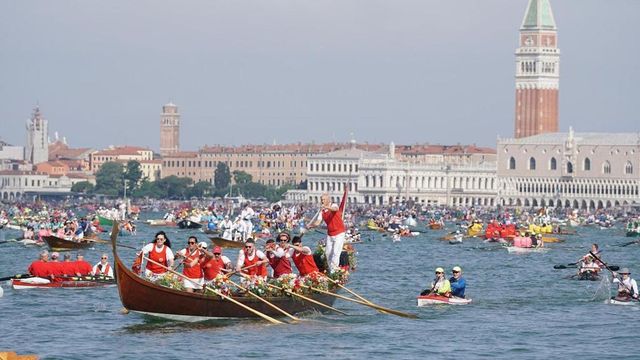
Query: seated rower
[[536, 241], [213, 263], [302, 257], [159, 251], [251, 261], [588, 268], [103, 268], [82, 267], [40, 268], [191, 269], [458, 283], [279, 255], [440, 285], [627, 287]]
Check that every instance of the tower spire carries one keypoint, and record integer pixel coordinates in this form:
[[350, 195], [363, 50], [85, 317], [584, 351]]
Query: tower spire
[[537, 72]]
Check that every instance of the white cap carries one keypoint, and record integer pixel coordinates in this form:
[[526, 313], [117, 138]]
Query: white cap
[[202, 245]]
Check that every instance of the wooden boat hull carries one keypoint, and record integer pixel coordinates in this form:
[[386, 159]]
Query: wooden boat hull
[[105, 221], [432, 299], [21, 284], [436, 226], [139, 295], [188, 224], [160, 223], [224, 243], [58, 244]]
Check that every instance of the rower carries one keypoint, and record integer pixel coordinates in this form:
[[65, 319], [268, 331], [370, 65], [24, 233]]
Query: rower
[[213, 264], [627, 287], [253, 259], [160, 252], [40, 268], [82, 267], [588, 267], [279, 255], [458, 283], [440, 285], [192, 271], [302, 257], [103, 268]]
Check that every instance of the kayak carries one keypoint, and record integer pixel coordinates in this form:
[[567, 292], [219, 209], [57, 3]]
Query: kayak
[[75, 282], [614, 301], [521, 250], [424, 300]]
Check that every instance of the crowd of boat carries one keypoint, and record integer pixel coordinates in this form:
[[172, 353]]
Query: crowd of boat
[[228, 226]]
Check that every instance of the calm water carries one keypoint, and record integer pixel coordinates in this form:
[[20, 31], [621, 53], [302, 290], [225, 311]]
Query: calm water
[[522, 308]]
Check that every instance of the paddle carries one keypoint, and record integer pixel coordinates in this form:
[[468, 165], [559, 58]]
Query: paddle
[[17, 276], [264, 300], [629, 243], [228, 298], [308, 299], [377, 307], [568, 266], [610, 268]]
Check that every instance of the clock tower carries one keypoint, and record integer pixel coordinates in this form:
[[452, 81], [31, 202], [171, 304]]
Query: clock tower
[[169, 129], [537, 72]]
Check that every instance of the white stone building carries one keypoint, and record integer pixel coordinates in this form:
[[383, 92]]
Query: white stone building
[[382, 179], [18, 184], [570, 170]]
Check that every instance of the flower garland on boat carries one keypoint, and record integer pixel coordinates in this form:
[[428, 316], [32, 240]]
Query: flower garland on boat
[[170, 280], [256, 285], [219, 283]]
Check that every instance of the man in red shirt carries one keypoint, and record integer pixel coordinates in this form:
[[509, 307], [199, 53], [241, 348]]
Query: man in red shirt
[[278, 255], [332, 215], [302, 257], [40, 268]]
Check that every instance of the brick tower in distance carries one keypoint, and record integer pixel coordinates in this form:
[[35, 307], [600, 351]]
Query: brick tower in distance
[[169, 130], [537, 72]]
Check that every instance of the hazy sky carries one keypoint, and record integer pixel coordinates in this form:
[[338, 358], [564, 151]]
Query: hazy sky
[[304, 70]]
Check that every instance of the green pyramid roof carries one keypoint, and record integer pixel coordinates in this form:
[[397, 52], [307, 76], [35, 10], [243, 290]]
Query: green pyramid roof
[[538, 16]]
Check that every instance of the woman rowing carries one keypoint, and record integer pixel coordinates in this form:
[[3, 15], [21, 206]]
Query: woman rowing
[[160, 252]]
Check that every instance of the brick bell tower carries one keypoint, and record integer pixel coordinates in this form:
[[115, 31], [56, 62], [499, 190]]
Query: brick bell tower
[[537, 72], [169, 130]]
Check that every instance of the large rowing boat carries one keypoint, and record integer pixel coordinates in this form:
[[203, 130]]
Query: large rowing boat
[[218, 241], [74, 282], [59, 244], [142, 296], [424, 300]]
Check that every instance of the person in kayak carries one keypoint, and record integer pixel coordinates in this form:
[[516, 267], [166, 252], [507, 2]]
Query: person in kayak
[[627, 287], [588, 268], [439, 286], [457, 282]]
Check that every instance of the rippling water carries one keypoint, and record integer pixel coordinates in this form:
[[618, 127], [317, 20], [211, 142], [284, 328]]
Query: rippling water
[[521, 308]]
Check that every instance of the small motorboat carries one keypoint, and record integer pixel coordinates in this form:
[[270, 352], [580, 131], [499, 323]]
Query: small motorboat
[[431, 299]]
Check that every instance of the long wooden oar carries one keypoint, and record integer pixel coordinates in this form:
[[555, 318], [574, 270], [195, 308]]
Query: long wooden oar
[[377, 307], [264, 301], [308, 299], [264, 316], [351, 292]]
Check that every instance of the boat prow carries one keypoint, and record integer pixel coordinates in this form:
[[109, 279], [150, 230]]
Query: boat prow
[[432, 299]]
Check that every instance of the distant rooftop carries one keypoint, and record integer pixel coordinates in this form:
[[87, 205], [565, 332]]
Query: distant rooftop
[[587, 138]]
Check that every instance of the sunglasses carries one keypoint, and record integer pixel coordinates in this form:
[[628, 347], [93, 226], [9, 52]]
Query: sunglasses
[[216, 254], [104, 258], [191, 242], [248, 247], [455, 272], [438, 272]]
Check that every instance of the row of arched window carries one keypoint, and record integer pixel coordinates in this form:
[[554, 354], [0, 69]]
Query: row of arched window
[[586, 165]]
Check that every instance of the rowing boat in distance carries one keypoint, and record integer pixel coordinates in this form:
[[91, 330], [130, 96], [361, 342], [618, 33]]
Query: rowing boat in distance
[[526, 250], [224, 243], [72, 282], [142, 296], [59, 244], [432, 299]]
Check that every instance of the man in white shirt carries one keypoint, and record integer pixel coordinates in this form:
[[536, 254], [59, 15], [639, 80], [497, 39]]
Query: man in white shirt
[[103, 268], [627, 287]]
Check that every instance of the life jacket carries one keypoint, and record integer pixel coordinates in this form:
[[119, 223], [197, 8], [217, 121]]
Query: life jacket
[[280, 265], [260, 270], [305, 263], [192, 272], [212, 268], [159, 257]]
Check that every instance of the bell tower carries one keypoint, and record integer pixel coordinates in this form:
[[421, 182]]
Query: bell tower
[[169, 130], [537, 72]]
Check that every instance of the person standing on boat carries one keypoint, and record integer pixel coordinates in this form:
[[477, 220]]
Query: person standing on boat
[[627, 287], [253, 260], [246, 216], [279, 256], [103, 268], [213, 264], [191, 265], [226, 226], [440, 285], [332, 215], [159, 251], [302, 257], [457, 282]]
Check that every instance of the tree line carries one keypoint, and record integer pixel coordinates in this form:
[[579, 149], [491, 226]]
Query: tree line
[[118, 180]]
